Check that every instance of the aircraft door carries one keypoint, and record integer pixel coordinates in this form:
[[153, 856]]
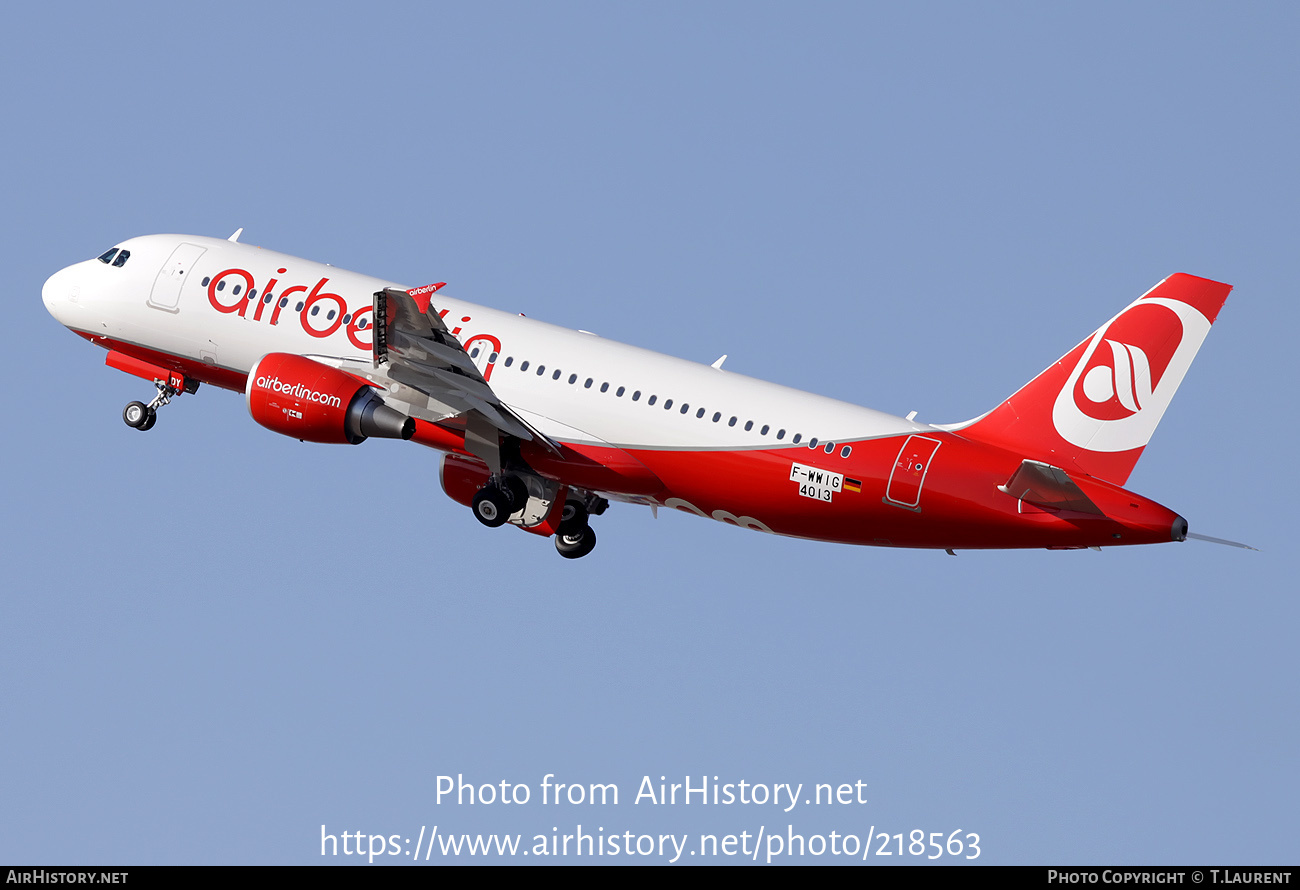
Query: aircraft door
[[910, 468], [166, 293]]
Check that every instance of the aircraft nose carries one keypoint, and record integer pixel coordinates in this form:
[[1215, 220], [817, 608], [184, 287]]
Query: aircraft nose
[[59, 291]]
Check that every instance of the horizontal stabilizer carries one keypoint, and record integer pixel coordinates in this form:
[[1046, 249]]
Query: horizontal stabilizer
[[1047, 486], [1195, 537]]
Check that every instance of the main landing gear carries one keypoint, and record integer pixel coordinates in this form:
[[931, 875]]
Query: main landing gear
[[140, 416], [498, 499], [574, 538], [507, 494], [575, 544]]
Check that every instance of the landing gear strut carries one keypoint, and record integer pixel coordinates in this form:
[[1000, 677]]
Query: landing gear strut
[[140, 416]]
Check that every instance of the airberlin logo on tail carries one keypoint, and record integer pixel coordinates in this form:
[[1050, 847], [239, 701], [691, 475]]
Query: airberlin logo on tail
[[298, 391], [1117, 382], [1127, 374]]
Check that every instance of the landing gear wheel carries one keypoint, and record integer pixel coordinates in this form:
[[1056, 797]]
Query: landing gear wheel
[[577, 544], [574, 518], [149, 422], [491, 506], [516, 490], [136, 415]]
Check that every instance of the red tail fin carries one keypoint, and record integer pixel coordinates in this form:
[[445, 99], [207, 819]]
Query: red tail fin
[[1095, 409]]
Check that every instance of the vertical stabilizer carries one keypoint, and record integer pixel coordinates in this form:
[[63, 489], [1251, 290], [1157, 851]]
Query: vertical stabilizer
[[1095, 408]]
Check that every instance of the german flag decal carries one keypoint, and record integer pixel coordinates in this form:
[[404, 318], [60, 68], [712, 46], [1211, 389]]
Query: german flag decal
[[853, 485]]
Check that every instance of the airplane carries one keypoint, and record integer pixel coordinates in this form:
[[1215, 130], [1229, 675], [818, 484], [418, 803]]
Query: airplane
[[541, 427]]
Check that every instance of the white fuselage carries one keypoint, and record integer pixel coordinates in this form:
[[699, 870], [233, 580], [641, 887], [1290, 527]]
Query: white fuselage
[[571, 385]]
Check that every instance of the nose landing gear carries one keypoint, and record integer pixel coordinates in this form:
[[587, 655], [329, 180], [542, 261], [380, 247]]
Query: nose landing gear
[[140, 416]]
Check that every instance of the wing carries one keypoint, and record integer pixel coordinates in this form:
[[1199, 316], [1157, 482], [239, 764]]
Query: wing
[[435, 378]]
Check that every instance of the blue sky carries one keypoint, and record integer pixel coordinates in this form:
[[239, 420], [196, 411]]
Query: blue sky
[[214, 640]]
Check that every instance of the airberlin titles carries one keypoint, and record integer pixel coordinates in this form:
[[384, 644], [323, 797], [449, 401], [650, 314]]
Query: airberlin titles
[[298, 391], [323, 312]]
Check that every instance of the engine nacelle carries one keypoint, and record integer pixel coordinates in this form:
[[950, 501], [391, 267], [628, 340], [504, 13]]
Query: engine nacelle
[[303, 399]]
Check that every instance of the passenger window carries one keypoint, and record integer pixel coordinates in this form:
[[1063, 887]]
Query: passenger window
[[830, 446], [717, 415], [619, 392], [812, 443], [541, 369], [573, 378], [668, 403], [122, 258], [587, 385], [845, 451], [510, 360], [107, 256], [651, 400], [749, 425], [699, 414], [556, 375], [604, 387], [780, 434], [731, 422], [636, 395], [685, 407], [523, 366], [797, 437], [764, 430]]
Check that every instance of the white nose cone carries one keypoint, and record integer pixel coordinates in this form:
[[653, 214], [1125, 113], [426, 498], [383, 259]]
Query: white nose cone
[[59, 293]]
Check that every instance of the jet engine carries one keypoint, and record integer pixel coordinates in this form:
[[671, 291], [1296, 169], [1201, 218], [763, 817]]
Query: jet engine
[[304, 399]]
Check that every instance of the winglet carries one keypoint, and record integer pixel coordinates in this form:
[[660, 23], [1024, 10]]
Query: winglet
[[422, 295]]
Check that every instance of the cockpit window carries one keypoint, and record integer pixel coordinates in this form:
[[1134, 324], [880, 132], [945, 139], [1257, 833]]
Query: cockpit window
[[122, 257], [107, 256]]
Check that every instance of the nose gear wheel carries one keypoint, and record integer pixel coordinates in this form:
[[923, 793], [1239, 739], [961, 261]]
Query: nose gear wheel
[[142, 417]]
